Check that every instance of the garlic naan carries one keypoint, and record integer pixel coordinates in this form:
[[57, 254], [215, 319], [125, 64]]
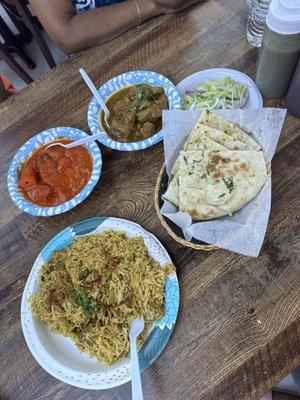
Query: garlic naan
[[216, 122], [172, 193], [202, 137], [219, 137], [214, 184], [198, 140]]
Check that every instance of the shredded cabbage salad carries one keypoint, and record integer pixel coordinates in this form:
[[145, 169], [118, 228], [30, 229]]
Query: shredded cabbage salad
[[216, 95]]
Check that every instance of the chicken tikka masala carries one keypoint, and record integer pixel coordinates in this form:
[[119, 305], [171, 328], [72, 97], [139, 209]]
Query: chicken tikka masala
[[54, 175]]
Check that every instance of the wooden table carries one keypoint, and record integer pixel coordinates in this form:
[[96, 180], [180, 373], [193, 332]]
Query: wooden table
[[238, 329]]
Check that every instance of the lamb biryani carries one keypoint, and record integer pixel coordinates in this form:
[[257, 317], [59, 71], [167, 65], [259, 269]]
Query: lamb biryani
[[91, 291]]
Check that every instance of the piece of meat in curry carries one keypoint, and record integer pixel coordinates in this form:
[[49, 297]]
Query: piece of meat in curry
[[54, 175], [135, 112]]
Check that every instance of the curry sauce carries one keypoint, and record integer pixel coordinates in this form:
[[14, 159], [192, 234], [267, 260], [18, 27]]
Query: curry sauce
[[135, 112], [53, 176]]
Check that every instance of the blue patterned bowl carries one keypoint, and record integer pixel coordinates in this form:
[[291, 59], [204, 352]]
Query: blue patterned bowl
[[130, 78], [26, 150]]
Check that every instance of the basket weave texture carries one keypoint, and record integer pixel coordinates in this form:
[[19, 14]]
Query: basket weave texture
[[178, 239]]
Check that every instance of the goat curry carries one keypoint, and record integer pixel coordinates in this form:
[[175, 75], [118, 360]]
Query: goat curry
[[135, 112]]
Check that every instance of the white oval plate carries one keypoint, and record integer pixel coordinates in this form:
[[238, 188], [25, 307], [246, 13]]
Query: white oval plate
[[57, 354], [254, 100]]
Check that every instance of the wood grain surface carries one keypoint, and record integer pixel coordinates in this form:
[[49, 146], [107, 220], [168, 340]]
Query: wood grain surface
[[238, 330]]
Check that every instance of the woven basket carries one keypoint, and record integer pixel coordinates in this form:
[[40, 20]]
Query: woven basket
[[173, 230]]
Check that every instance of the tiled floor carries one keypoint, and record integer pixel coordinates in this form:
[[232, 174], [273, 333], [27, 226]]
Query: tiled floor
[[34, 52]]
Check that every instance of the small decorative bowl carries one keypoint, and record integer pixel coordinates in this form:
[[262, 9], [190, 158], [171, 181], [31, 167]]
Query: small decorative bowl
[[117, 83], [28, 148]]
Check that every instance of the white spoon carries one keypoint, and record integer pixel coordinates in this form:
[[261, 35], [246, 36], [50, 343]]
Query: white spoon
[[136, 328], [95, 92], [79, 142]]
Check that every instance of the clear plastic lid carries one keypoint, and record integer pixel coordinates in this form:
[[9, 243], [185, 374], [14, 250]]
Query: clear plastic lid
[[284, 16]]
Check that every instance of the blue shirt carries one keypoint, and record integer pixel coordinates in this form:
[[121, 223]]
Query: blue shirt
[[83, 5]]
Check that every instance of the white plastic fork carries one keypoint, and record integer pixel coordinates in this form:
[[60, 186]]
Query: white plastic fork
[[136, 328], [79, 142]]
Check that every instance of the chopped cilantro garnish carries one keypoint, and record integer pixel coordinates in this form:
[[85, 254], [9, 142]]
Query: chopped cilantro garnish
[[203, 176], [141, 94], [185, 159], [222, 195], [82, 299], [229, 184]]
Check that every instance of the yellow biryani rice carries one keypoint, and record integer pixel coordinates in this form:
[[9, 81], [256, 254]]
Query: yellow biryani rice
[[92, 290]]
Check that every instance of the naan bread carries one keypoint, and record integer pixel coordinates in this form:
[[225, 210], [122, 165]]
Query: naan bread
[[198, 140], [216, 122], [172, 193], [220, 137], [202, 137], [214, 184], [220, 170], [205, 138]]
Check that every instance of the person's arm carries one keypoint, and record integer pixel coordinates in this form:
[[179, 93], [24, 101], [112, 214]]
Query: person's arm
[[3, 92], [73, 32], [174, 6]]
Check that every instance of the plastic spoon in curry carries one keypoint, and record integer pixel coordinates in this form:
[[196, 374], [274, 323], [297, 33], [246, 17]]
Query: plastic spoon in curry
[[79, 142], [95, 92]]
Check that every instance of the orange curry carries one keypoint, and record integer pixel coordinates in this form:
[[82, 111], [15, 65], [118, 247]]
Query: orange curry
[[53, 176]]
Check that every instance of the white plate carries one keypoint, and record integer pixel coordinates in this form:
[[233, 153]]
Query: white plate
[[254, 100], [58, 355]]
